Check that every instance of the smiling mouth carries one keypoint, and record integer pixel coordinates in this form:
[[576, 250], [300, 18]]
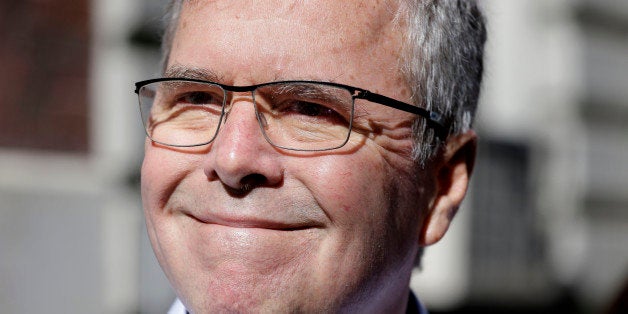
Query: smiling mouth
[[255, 223]]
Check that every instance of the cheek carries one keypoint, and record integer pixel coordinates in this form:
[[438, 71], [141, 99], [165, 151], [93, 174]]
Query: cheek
[[162, 170], [346, 186], [154, 187]]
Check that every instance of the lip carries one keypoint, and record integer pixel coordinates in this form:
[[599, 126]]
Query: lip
[[246, 222]]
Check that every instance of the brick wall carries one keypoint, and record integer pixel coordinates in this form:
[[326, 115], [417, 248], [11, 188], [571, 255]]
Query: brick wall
[[43, 74]]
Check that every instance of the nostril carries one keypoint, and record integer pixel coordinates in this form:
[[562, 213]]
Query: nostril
[[247, 184], [252, 181]]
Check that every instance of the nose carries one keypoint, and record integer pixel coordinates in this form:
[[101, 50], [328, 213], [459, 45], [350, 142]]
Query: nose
[[240, 157]]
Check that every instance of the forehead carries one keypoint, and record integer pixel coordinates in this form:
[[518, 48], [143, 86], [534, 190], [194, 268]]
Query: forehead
[[321, 14], [320, 39]]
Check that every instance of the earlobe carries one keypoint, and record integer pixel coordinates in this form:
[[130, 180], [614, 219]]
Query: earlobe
[[452, 172]]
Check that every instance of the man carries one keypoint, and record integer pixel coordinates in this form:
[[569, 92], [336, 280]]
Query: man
[[301, 153]]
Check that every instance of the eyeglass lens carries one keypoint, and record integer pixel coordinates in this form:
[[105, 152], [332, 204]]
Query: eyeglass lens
[[293, 115]]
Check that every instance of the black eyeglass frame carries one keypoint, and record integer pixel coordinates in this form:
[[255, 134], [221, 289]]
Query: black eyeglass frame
[[433, 119]]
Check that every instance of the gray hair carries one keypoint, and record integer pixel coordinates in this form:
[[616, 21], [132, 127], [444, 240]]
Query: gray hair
[[441, 60]]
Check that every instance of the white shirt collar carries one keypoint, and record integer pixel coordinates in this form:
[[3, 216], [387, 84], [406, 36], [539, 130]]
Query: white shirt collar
[[177, 308]]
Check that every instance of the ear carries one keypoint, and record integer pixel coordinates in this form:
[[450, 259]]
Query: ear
[[452, 171]]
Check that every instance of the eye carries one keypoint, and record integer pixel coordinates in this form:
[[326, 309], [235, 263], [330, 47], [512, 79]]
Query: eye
[[200, 98], [310, 110]]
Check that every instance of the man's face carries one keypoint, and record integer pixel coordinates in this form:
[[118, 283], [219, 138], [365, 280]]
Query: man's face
[[238, 224]]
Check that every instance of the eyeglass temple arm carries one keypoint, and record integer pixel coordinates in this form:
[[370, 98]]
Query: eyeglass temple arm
[[434, 120]]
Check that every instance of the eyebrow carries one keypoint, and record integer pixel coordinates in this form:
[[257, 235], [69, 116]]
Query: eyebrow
[[309, 90], [181, 71]]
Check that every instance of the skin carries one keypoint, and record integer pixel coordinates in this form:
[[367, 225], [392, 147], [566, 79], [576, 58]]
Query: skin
[[238, 225]]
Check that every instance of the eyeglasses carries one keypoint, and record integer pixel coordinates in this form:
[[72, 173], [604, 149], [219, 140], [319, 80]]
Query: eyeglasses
[[293, 115]]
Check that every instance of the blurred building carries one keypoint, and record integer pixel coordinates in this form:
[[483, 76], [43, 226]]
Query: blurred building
[[544, 228]]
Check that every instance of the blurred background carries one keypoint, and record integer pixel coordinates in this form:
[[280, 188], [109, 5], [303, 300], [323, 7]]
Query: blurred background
[[544, 229]]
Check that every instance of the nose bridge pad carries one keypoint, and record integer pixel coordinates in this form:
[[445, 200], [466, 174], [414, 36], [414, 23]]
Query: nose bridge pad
[[262, 120], [227, 109], [260, 115]]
